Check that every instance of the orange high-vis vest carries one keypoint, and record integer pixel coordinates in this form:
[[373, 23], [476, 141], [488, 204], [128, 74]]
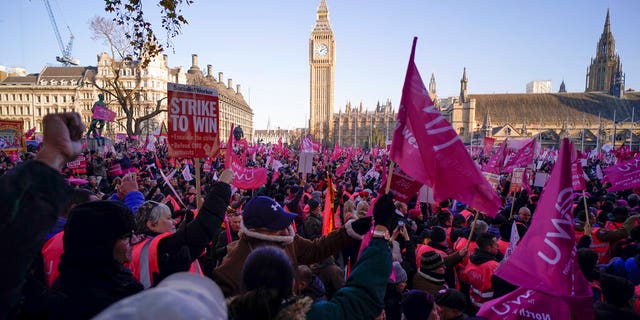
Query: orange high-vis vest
[[460, 244], [479, 279], [448, 235], [468, 215], [144, 261], [503, 246], [602, 248], [51, 252]]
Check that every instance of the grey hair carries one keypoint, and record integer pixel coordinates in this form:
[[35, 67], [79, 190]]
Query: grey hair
[[481, 227], [150, 211]]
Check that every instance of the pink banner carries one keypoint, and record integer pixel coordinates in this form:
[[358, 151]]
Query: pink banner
[[526, 304], [488, 145], [248, 178], [102, 113], [523, 158], [577, 176], [428, 149], [624, 175], [545, 259]]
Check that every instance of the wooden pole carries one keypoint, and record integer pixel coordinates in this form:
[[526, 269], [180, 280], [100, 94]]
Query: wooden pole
[[389, 177], [198, 191], [587, 214], [473, 229], [513, 202]]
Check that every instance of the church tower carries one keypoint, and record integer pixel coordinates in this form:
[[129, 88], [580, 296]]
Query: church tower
[[605, 72], [322, 65]]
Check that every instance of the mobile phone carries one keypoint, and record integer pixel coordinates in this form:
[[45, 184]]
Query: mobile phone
[[400, 223]]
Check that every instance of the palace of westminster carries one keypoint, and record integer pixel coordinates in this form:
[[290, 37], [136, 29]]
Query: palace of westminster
[[603, 113]]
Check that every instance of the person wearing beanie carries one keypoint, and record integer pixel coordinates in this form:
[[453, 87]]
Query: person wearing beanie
[[438, 244], [602, 239], [97, 242], [430, 276], [419, 305], [451, 304], [264, 221], [313, 224], [396, 286], [162, 250], [267, 280]]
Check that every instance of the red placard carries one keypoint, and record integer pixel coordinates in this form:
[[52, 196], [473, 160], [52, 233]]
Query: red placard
[[79, 165], [12, 136], [517, 180], [193, 121]]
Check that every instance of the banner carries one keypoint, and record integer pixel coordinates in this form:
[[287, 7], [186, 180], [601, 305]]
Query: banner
[[403, 186], [541, 179], [193, 121], [102, 113], [517, 180], [428, 149], [624, 175], [12, 136], [79, 165], [248, 178]]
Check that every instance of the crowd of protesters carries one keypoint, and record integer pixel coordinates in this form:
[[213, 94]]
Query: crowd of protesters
[[117, 238]]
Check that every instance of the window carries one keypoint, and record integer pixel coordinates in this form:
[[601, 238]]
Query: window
[[54, 82], [55, 99], [26, 95], [43, 82], [46, 99], [39, 112], [74, 82], [63, 82]]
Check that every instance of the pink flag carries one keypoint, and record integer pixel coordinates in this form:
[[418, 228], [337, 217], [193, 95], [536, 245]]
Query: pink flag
[[428, 149], [228, 157], [248, 178], [545, 259], [577, 176], [527, 304], [624, 175], [488, 145], [523, 158], [497, 160], [402, 186], [343, 167]]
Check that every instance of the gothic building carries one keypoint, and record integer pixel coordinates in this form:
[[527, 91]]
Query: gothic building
[[322, 64], [603, 114]]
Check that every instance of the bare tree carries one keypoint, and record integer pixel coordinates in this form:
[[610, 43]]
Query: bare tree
[[121, 78], [139, 31]]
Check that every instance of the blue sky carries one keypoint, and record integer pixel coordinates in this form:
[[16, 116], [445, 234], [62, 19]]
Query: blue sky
[[263, 45]]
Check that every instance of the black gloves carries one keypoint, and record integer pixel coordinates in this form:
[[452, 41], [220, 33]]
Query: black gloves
[[384, 211], [361, 226]]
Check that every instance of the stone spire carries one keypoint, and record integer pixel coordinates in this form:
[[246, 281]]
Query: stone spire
[[432, 84], [602, 73], [563, 88], [322, 18], [464, 95], [607, 24], [486, 125]]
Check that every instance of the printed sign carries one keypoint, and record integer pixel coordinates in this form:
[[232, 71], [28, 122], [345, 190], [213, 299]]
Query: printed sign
[[493, 179], [517, 180], [541, 179], [12, 136], [193, 121], [79, 165], [102, 113]]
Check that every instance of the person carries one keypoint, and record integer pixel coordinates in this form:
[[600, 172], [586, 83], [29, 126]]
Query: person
[[163, 250], [181, 295], [96, 125], [313, 223], [419, 305], [308, 284], [331, 275], [31, 198], [523, 218], [451, 304], [483, 264], [264, 221], [267, 291], [393, 296], [220, 246], [430, 276], [618, 293], [97, 242]]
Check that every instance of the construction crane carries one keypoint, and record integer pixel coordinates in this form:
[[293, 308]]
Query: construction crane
[[66, 58]]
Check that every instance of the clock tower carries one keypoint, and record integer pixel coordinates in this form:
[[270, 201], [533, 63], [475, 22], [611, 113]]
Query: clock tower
[[321, 62]]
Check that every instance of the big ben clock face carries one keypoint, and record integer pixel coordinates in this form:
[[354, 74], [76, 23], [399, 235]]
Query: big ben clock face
[[321, 50]]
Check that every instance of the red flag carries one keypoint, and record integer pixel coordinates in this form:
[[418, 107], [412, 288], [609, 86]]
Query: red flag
[[327, 215], [158, 163], [497, 160], [488, 145], [545, 259], [428, 149], [523, 158]]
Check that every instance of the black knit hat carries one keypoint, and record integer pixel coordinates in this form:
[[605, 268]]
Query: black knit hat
[[93, 229], [417, 304], [430, 261], [268, 268], [438, 235], [452, 299]]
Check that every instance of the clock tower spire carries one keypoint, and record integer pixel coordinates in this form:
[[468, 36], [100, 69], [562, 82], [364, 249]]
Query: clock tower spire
[[321, 63]]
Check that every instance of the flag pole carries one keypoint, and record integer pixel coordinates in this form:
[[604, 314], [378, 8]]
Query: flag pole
[[198, 192], [513, 202], [389, 177], [586, 214], [473, 229]]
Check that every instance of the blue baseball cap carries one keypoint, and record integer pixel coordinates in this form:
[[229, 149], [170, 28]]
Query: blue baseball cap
[[264, 212]]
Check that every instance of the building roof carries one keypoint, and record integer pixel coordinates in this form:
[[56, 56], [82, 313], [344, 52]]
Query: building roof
[[554, 107], [29, 79]]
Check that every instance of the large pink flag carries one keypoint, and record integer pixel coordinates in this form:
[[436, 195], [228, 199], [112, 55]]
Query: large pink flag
[[523, 158], [545, 259], [428, 149], [497, 160], [488, 145], [343, 167], [624, 175]]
